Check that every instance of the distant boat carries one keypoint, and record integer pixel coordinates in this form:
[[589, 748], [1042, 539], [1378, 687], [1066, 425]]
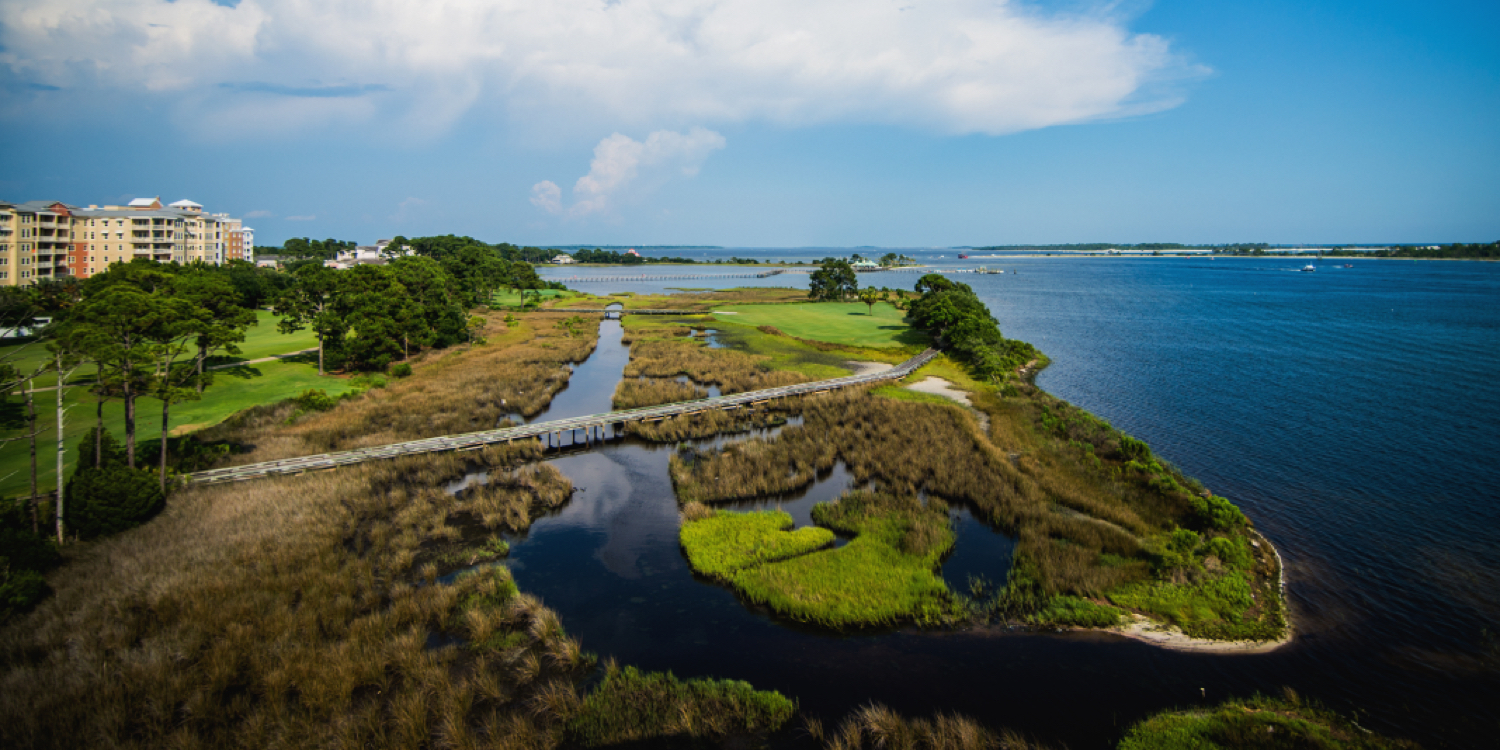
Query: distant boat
[[1309, 268], [1348, 265], [961, 256]]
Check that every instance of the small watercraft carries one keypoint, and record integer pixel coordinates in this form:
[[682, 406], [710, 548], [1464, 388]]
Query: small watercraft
[[1348, 265], [1309, 268]]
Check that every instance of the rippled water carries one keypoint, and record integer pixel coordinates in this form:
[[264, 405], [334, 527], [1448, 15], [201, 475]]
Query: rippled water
[[1351, 412]]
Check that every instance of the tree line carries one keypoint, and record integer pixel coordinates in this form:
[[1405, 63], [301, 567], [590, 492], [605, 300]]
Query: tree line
[[964, 327]]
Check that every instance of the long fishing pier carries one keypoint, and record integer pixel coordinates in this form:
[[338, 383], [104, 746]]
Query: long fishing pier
[[594, 426], [677, 277]]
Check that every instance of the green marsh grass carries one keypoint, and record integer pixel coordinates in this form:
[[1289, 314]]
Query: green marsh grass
[[724, 542], [1257, 723], [884, 576]]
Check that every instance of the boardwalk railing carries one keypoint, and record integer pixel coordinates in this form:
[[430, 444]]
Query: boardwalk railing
[[593, 424]]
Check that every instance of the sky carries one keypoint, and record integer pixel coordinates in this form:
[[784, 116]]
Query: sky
[[768, 123]]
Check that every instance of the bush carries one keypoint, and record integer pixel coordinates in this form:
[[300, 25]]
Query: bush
[[1233, 551], [20, 590], [316, 400], [1217, 513], [112, 499], [402, 370], [26, 551]]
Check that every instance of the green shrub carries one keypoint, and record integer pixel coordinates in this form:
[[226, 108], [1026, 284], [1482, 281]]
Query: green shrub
[[19, 590], [111, 499], [402, 370], [316, 400], [1233, 551], [1217, 513], [27, 551]]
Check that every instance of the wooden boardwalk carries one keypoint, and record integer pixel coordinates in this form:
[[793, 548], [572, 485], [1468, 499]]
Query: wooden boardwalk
[[594, 426], [620, 311]]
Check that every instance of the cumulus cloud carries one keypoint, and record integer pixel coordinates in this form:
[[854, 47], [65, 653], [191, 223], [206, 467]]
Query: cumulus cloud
[[547, 196], [407, 209], [959, 66], [621, 161]]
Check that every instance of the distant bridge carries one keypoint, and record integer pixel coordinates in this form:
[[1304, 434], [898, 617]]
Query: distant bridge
[[594, 426], [677, 277]]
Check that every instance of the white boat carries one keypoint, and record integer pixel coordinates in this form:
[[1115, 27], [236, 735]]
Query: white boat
[[1309, 268]]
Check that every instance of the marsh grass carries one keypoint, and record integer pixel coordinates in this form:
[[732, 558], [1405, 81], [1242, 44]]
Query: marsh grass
[[1257, 723], [1071, 610], [885, 575], [875, 727], [632, 705], [631, 394], [723, 542], [306, 612], [1086, 525]]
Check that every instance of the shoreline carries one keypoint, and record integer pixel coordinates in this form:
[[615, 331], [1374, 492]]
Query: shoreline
[[1139, 627]]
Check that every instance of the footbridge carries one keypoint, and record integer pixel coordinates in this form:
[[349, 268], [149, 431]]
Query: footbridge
[[594, 426]]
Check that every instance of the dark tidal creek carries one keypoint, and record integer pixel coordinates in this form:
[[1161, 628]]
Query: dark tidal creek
[[1352, 417]]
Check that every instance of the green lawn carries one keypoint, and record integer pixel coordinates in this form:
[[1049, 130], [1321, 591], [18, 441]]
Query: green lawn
[[836, 322], [508, 298], [262, 340], [233, 389]]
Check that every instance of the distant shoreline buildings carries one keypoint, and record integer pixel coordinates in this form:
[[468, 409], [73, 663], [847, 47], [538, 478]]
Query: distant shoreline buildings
[[52, 239]]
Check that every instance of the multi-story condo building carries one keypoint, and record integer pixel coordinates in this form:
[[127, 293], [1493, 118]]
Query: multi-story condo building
[[51, 239]]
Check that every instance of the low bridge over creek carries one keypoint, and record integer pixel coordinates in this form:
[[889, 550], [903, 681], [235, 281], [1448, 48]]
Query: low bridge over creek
[[594, 426]]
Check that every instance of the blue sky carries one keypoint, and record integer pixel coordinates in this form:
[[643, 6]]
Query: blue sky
[[768, 122]]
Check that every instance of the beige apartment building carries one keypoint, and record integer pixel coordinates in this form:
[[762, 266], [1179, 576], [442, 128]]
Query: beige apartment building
[[51, 239]]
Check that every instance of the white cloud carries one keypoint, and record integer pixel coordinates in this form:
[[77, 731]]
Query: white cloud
[[258, 214], [547, 196], [959, 66], [621, 161], [405, 210]]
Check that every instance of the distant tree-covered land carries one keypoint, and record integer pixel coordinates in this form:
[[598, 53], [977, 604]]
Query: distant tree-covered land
[[1456, 251]]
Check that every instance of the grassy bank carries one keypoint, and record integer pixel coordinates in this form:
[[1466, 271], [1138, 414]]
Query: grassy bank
[[1254, 724]]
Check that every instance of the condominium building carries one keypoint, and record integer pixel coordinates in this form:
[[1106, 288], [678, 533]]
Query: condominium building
[[51, 239]]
